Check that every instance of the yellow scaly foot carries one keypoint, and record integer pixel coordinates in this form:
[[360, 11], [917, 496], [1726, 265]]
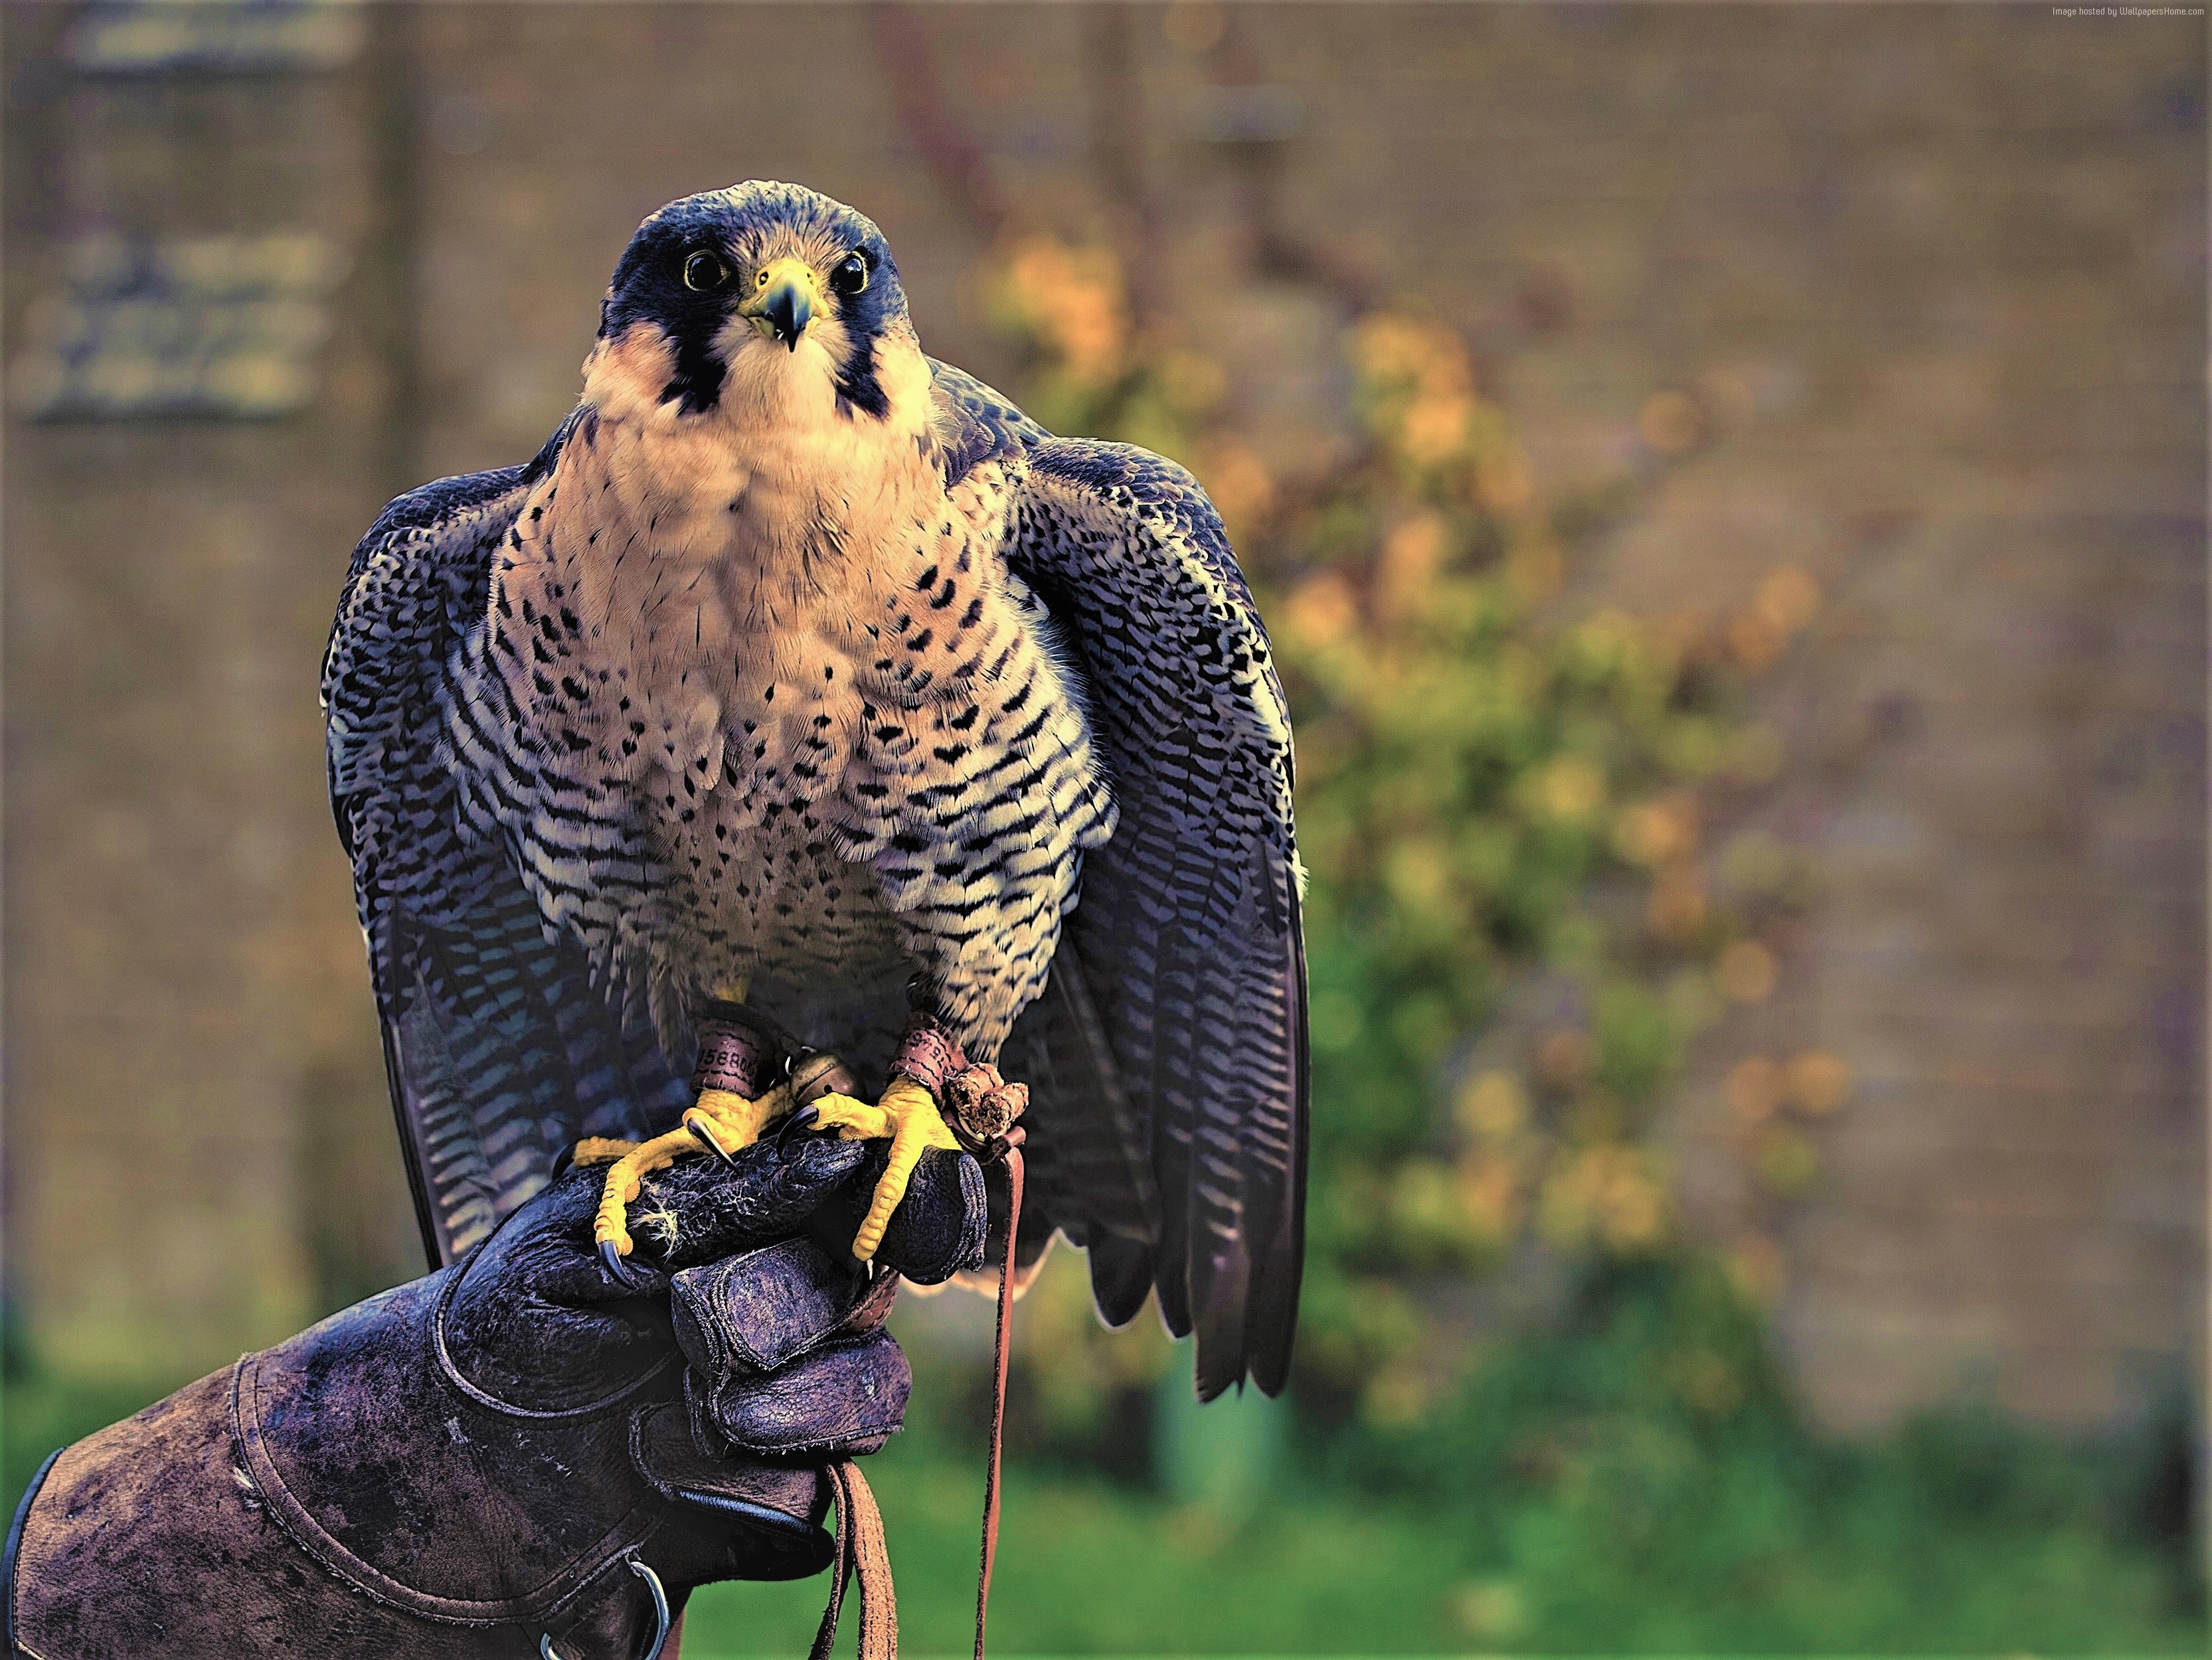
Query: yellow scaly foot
[[723, 1121], [720, 1123], [906, 1114]]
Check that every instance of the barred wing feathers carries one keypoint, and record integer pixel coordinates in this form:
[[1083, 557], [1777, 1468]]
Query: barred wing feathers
[[1186, 940], [499, 1047]]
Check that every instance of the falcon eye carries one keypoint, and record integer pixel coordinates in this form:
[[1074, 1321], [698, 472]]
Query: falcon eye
[[851, 274], [705, 273]]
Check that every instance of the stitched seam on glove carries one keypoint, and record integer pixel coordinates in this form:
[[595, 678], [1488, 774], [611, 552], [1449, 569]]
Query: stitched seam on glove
[[539, 1603], [13, 1556], [451, 1371], [714, 1306], [844, 1444]]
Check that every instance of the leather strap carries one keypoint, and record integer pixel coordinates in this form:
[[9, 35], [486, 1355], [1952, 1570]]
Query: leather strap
[[1001, 1347], [861, 1551], [982, 1110]]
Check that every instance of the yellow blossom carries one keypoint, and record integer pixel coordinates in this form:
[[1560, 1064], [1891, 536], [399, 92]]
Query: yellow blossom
[[1747, 971], [1489, 1199], [1818, 1082], [1671, 422], [1434, 427], [1396, 351], [1492, 1105], [1074, 302], [1634, 1212], [1658, 831], [1755, 1089], [1788, 599], [1610, 1190], [1321, 610], [1412, 553], [1569, 788], [1239, 481]]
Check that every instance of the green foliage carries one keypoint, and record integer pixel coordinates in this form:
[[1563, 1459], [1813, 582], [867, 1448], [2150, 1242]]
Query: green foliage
[[1511, 928], [1635, 1478], [1521, 916]]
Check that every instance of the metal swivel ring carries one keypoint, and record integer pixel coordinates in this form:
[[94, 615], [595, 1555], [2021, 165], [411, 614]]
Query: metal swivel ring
[[547, 1652]]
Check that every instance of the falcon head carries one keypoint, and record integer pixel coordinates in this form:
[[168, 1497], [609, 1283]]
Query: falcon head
[[764, 302]]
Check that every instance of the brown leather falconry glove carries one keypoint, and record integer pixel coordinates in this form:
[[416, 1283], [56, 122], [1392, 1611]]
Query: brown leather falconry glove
[[515, 1455]]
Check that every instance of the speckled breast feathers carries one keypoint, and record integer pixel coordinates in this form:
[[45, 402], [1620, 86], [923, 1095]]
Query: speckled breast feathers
[[743, 723]]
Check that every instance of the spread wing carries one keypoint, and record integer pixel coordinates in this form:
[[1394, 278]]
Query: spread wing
[[1174, 1025], [500, 1047]]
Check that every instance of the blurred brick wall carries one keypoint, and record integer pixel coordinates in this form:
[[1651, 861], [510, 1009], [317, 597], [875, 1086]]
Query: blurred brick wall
[[197, 1156], [1940, 269]]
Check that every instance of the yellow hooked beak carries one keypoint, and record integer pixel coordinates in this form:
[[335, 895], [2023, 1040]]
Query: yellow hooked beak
[[786, 295]]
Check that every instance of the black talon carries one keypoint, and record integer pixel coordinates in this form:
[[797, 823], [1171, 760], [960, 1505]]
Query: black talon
[[799, 1120], [713, 1143], [616, 1265]]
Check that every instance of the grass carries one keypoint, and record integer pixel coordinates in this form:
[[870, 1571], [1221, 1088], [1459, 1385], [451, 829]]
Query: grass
[[1087, 1567]]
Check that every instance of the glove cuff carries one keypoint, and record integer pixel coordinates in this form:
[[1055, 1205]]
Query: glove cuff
[[178, 1532], [336, 1496]]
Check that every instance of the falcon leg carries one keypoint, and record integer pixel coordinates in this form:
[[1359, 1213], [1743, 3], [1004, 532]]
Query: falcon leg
[[626, 1175], [600, 1149], [906, 1113], [721, 1123]]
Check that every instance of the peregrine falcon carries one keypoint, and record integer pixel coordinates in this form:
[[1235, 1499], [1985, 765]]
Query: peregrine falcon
[[801, 668]]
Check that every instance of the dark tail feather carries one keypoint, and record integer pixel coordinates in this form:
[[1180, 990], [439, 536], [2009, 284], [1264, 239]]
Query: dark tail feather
[[1088, 1171], [1221, 1316], [1272, 1324], [1271, 1319], [1177, 1096], [1121, 1278]]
